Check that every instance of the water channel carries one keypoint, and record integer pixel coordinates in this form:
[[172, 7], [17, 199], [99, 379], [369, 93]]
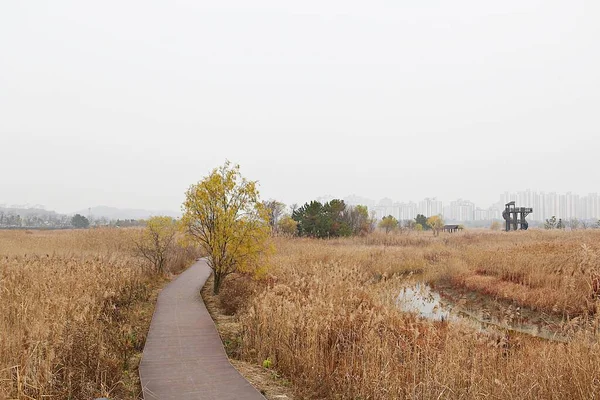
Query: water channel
[[422, 300]]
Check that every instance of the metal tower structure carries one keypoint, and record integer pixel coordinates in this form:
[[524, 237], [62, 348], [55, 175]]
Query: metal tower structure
[[515, 216]]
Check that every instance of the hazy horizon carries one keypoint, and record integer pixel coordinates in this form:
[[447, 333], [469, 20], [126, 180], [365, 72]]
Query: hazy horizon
[[127, 104], [370, 202]]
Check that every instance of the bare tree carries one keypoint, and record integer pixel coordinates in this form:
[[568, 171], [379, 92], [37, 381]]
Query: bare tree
[[574, 223], [156, 242], [275, 209], [406, 225], [584, 224], [358, 219]]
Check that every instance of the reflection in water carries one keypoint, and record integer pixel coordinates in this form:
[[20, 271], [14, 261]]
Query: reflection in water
[[427, 303], [420, 299]]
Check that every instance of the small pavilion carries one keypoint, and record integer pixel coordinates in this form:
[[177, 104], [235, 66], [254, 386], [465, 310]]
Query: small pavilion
[[452, 228]]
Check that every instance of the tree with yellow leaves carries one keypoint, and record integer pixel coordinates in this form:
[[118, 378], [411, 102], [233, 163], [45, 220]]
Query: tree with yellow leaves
[[287, 226], [388, 223], [436, 223], [224, 215]]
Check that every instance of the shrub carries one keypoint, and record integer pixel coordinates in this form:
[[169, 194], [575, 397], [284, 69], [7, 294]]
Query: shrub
[[236, 293]]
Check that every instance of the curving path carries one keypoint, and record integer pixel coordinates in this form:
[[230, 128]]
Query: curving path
[[184, 357]]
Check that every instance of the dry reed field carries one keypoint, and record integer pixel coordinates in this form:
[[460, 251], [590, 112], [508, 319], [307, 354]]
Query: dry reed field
[[75, 307], [326, 317]]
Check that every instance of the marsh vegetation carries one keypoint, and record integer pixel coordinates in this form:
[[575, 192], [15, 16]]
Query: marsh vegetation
[[327, 317], [75, 307]]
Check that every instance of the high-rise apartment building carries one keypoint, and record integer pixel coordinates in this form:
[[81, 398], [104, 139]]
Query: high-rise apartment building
[[565, 206], [407, 210], [460, 210], [430, 206], [546, 205]]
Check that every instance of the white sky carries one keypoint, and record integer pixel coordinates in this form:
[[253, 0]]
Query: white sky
[[127, 103]]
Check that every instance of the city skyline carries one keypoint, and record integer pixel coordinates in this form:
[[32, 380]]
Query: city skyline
[[545, 205]]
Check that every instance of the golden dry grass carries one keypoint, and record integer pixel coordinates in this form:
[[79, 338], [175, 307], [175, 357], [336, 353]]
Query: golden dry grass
[[75, 307], [326, 317], [220, 306]]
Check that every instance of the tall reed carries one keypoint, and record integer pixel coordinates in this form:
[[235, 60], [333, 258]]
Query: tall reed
[[74, 311], [326, 318]]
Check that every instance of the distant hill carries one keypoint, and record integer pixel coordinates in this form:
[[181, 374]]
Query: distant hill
[[113, 213], [31, 216]]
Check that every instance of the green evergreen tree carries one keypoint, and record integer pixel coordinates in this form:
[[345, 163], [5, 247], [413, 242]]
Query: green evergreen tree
[[80, 222], [422, 220]]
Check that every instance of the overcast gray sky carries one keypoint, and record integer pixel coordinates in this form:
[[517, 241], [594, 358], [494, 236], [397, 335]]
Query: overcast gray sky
[[127, 103]]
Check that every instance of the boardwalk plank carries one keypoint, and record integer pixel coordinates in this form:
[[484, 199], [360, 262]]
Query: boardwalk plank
[[183, 357]]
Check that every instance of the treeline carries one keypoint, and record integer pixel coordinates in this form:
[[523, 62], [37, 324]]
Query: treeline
[[434, 223], [573, 223], [337, 219], [331, 219], [27, 219], [41, 219], [80, 222]]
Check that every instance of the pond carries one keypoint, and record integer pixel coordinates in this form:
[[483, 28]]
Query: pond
[[422, 300]]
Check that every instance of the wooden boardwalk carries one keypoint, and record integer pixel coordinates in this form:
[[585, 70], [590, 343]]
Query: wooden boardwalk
[[184, 357]]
